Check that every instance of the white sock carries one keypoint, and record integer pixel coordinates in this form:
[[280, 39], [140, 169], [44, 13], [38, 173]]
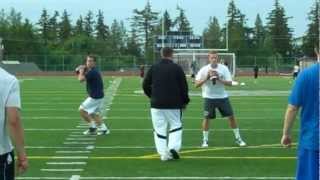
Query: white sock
[[92, 124], [205, 136], [103, 126], [175, 140], [236, 133]]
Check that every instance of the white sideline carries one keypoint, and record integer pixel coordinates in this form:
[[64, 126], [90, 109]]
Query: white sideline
[[163, 178], [139, 147], [66, 163], [78, 134]]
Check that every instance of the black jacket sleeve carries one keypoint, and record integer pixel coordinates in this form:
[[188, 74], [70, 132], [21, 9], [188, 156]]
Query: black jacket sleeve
[[184, 87], [147, 83]]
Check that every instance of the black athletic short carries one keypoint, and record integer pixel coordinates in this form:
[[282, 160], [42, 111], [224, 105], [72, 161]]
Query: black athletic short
[[7, 166], [223, 105]]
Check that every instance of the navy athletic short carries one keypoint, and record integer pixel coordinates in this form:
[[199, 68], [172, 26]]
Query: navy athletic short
[[223, 105]]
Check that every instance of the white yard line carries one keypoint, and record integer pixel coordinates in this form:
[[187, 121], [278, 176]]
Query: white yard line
[[80, 139], [165, 178], [66, 163], [61, 170], [72, 152], [68, 143]]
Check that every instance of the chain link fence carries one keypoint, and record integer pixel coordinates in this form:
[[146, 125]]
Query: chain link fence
[[70, 62], [128, 63]]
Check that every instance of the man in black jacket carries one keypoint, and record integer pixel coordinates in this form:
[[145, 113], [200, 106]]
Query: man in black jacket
[[166, 86]]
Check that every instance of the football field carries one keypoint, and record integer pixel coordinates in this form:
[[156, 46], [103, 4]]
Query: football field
[[58, 150]]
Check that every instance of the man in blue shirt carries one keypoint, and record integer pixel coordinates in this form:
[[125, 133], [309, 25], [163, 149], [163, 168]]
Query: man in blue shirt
[[91, 108], [305, 95]]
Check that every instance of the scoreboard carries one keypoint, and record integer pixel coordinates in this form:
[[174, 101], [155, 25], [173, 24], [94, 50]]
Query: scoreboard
[[179, 40]]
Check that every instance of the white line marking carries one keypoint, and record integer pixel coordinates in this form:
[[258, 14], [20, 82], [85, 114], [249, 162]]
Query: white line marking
[[72, 152], [69, 157], [78, 134], [43, 178], [164, 178], [66, 163], [82, 127], [62, 170], [199, 178], [138, 147], [75, 177], [68, 143], [80, 139]]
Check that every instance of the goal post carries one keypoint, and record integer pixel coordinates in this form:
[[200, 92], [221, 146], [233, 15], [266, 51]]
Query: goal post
[[191, 60]]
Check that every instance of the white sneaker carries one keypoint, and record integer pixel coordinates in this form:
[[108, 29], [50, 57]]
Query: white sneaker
[[240, 142], [165, 157], [90, 131], [204, 144], [103, 131]]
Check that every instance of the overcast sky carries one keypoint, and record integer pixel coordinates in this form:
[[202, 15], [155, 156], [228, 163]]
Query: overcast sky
[[198, 11]]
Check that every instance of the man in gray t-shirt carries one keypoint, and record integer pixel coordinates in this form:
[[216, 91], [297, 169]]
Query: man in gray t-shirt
[[10, 122]]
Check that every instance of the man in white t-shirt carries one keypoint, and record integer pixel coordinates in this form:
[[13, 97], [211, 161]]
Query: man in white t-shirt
[[10, 122], [212, 78]]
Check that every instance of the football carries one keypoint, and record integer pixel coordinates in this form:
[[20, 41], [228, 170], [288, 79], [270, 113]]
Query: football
[[77, 70]]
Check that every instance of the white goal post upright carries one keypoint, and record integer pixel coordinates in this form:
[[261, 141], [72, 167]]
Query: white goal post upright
[[185, 58]]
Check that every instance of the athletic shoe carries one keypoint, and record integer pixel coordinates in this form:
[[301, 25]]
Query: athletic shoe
[[174, 154], [204, 144], [90, 131], [103, 131], [240, 142], [165, 157]]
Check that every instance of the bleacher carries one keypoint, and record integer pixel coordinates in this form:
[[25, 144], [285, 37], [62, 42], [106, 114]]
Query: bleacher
[[17, 67]]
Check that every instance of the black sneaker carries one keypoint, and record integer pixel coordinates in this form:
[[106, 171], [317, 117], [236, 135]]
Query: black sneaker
[[175, 154]]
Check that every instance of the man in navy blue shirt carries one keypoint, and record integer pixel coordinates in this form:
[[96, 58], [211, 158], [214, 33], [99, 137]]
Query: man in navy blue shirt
[[91, 108], [305, 95]]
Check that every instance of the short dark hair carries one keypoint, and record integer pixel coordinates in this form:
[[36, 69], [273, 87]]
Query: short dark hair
[[213, 52], [93, 57], [166, 52]]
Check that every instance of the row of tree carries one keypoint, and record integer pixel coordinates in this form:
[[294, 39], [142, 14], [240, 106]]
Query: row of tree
[[56, 34]]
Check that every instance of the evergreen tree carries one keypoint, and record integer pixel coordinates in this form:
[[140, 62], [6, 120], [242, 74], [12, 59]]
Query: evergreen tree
[[102, 30], [145, 22], [89, 24], [133, 46], [279, 31], [182, 23], [258, 33], [311, 40], [212, 35], [65, 27], [236, 30], [54, 28], [167, 22], [79, 29], [44, 28]]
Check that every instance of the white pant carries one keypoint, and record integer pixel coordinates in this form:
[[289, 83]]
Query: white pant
[[162, 120], [92, 106]]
